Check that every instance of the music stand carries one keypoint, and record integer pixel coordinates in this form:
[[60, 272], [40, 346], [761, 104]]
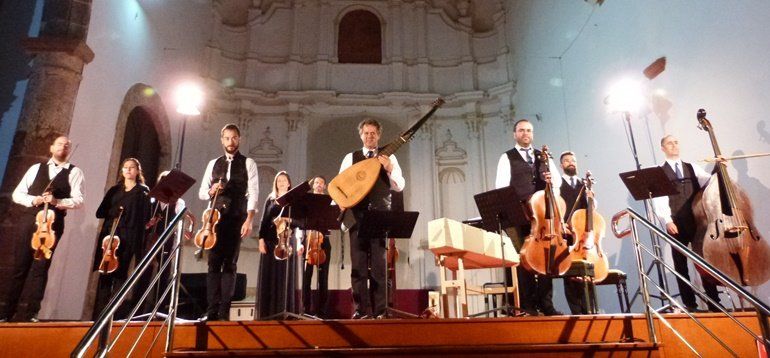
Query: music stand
[[316, 212], [378, 224], [645, 184], [168, 190], [292, 198], [501, 209]]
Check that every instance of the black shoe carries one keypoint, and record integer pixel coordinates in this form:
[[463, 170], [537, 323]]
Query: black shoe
[[359, 315], [34, 319], [3, 319], [381, 316], [550, 311], [208, 317]]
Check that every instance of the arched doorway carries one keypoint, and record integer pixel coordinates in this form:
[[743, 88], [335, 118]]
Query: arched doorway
[[140, 140]]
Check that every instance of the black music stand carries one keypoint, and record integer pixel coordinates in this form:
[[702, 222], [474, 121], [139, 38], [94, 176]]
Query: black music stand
[[168, 190], [293, 198], [172, 187], [315, 212], [378, 224], [502, 209], [645, 184]]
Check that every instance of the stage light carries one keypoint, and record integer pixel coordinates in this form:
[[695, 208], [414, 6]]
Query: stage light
[[189, 97], [625, 96]]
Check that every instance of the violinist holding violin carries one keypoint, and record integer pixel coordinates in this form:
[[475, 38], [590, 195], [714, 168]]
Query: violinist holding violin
[[125, 209], [321, 259], [64, 183], [272, 278], [676, 214], [233, 179], [522, 168]]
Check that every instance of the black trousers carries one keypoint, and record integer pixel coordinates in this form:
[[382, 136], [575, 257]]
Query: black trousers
[[30, 276], [687, 236], [368, 287], [320, 306], [223, 265], [535, 291]]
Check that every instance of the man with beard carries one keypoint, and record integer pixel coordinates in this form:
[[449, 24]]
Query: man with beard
[[235, 177], [572, 191], [64, 193], [522, 168]]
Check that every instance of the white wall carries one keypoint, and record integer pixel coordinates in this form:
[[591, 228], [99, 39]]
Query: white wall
[[716, 54], [152, 42]]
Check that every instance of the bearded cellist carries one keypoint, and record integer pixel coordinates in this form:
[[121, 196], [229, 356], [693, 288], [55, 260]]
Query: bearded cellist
[[521, 168], [675, 213]]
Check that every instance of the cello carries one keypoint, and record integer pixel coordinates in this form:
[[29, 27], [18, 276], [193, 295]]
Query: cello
[[589, 228], [724, 217], [206, 237], [110, 245], [352, 185], [545, 251]]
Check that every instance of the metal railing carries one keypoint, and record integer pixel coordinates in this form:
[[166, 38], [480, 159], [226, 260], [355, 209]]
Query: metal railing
[[762, 309], [102, 327]]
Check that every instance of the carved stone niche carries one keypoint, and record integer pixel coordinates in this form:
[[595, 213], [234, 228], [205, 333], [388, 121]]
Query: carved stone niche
[[266, 151], [449, 153]]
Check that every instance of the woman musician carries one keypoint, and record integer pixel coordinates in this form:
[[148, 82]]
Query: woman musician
[[275, 286], [130, 193]]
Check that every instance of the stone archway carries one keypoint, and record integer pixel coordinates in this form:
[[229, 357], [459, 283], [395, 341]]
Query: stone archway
[[141, 106]]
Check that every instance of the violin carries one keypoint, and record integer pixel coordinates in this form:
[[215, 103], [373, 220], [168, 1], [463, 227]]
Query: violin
[[206, 237], [44, 238], [545, 251], [725, 220], [589, 228], [284, 249], [110, 245], [315, 255]]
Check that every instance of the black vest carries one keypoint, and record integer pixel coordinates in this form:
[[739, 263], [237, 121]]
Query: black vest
[[523, 178], [570, 195], [379, 197], [60, 187], [232, 200], [688, 186]]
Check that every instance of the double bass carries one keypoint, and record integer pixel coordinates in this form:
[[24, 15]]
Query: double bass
[[354, 184], [725, 220], [588, 228], [545, 251], [110, 245], [206, 237]]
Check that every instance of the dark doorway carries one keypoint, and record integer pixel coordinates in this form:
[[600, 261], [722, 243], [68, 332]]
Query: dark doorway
[[359, 38], [140, 141]]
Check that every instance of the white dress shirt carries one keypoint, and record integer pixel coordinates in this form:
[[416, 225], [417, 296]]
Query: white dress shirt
[[397, 181], [503, 177], [22, 196], [252, 192], [660, 204]]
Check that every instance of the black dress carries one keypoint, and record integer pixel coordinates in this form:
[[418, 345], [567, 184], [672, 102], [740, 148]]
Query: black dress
[[130, 230], [272, 284]]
